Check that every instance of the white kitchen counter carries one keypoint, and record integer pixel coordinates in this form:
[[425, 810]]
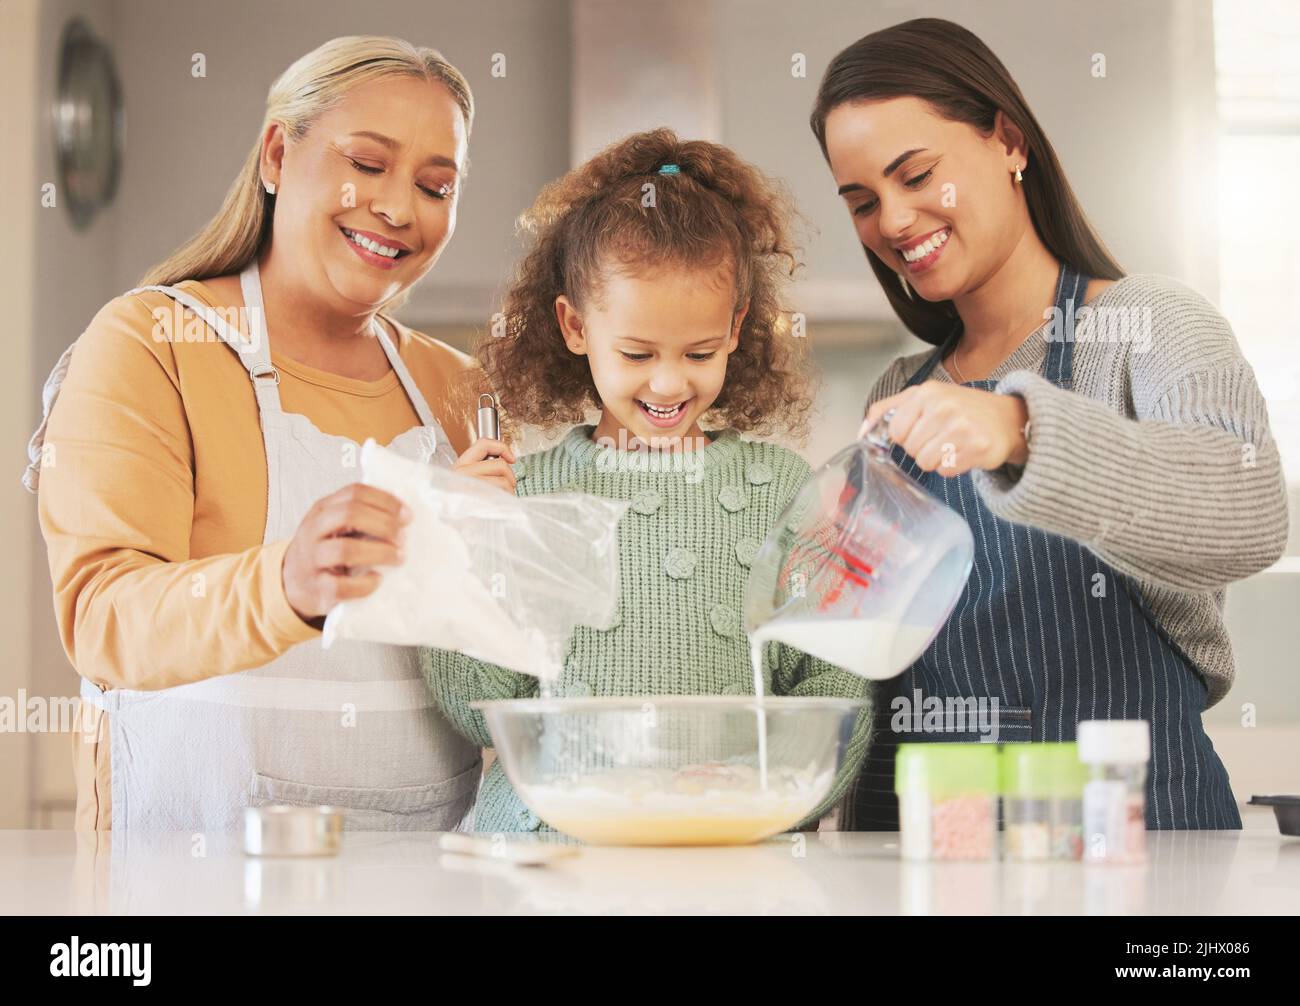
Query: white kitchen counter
[[1197, 873]]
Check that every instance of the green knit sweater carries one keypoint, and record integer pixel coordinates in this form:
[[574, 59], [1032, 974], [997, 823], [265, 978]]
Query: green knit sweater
[[695, 523]]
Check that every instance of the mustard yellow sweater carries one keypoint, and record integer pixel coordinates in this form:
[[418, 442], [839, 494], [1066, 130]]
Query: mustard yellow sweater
[[158, 473]]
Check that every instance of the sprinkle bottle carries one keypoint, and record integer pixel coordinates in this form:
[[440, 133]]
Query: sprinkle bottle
[[1114, 798], [947, 800], [1042, 797]]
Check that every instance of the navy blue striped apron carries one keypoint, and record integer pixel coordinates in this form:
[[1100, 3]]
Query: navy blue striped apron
[[1056, 636]]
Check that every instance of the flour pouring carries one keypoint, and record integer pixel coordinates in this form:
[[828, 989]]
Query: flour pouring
[[489, 574]]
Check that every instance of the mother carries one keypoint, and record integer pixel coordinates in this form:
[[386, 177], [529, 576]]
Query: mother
[[197, 491], [1116, 475]]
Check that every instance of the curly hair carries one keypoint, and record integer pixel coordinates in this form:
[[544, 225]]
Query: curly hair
[[716, 210]]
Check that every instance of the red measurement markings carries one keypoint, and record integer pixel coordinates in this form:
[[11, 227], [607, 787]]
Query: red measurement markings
[[855, 570], [811, 549]]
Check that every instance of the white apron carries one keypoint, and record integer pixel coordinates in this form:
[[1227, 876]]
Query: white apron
[[353, 726]]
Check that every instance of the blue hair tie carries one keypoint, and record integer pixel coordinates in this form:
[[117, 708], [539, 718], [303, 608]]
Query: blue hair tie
[[669, 169]]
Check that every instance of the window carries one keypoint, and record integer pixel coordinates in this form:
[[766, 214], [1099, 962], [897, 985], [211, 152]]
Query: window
[[1257, 55]]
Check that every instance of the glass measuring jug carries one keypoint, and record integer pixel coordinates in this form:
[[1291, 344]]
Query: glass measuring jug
[[864, 566]]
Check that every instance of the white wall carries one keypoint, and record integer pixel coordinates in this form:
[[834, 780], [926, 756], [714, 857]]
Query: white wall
[[1136, 145], [188, 137], [71, 280], [19, 28]]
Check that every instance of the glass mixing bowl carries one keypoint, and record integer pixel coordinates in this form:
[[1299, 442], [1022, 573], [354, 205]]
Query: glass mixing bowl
[[671, 770]]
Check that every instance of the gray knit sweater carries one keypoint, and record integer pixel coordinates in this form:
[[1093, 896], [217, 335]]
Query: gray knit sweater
[[1160, 461]]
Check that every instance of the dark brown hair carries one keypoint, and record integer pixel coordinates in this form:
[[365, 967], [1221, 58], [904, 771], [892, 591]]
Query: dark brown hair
[[950, 68], [714, 212]]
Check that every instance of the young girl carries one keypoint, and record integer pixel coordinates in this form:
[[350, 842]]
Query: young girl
[[651, 293]]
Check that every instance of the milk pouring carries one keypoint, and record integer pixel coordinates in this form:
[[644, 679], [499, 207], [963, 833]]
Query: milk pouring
[[861, 570]]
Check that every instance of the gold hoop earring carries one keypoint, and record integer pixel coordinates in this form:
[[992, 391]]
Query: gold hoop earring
[[1019, 176]]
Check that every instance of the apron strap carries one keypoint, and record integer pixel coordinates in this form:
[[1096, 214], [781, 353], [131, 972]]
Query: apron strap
[[1071, 287], [104, 699], [943, 350], [245, 349], [36, 445], [233, 337], [404, 375], [265, 378], [254, 351]]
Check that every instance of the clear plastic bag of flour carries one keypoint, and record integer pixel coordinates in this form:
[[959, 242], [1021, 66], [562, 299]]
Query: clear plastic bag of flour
[[496, 576]]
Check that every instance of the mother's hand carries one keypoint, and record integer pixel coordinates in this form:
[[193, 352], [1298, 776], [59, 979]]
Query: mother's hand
[[952, 429], [340, 539]]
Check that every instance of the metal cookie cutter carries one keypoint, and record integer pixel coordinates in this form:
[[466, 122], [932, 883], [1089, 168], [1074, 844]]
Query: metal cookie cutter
[[282, 830]]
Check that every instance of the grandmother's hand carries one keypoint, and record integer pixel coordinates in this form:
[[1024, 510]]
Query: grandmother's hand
[[339, 541]]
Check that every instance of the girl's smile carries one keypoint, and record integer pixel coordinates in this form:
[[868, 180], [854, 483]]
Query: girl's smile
[[665, 416], [658, 344], [664, 315]]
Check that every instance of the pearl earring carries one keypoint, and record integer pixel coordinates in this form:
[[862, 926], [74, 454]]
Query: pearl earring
[[270, 188], [1019, 176]]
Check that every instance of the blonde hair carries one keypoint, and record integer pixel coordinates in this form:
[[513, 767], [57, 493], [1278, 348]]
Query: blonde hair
[[312, 85]]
